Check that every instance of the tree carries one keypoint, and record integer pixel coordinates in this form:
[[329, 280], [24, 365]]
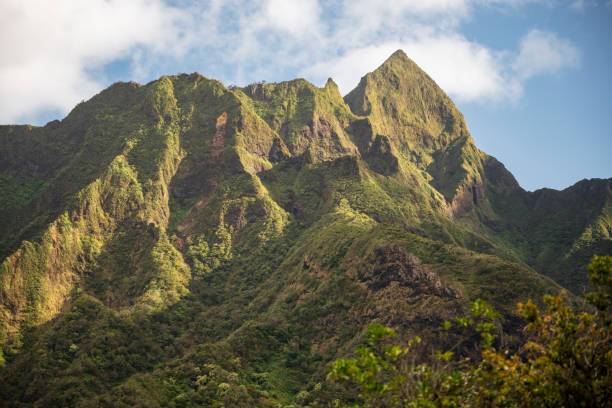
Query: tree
[[566, 360]]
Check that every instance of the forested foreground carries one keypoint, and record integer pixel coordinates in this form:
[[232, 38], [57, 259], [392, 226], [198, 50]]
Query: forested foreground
[[565, 360]]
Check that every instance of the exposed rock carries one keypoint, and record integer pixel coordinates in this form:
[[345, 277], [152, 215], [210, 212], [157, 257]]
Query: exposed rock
[[279, 151], [380, 157], [387, 264]]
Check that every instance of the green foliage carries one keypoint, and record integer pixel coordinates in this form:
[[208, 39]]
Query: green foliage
[[565, 361], [204, 258], [16, 193], [185, 244], [169, 277], [600, 275], [376, 369], [196, 256], [387, 375], [308, 119]]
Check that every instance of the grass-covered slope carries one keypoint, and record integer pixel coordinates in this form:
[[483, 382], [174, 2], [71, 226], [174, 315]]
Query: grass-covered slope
[[565, 228], [406, 106], [553, 232], [185, 244]]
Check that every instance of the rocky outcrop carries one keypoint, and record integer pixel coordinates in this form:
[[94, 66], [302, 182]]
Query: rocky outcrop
[[393, 264]]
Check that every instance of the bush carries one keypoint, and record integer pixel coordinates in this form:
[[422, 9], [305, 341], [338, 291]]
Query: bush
[[566, 360]]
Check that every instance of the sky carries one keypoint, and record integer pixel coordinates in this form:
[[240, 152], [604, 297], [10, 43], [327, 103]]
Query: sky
[[533, 78]]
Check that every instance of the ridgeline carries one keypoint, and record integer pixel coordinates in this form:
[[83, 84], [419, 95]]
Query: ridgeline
[[185, 244]]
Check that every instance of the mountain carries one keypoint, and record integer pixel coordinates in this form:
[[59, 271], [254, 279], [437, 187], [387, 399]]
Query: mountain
[[186, 244]]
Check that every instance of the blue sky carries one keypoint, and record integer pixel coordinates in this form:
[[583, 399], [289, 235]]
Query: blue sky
[[532, 77]]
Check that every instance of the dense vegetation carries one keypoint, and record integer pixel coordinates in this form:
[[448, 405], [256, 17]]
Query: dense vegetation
[[566, 360], [185, 244]]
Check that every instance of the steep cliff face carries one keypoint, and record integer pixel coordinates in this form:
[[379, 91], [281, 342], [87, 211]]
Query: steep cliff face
[[566, 227], [553, 232], [427, 131], [185, 243], [308, 119], [102, 216]]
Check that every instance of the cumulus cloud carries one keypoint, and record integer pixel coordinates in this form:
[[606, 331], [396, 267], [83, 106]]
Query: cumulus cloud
[[48, 48], [58, 50], [464, 69], [544, 53], [467, 70], [292, 17], [365, 17]]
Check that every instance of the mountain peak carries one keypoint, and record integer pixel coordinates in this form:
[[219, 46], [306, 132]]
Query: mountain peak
[[401, 65], [398, 55], [399, 85], [406, 105], [255, 228], [330, 83]]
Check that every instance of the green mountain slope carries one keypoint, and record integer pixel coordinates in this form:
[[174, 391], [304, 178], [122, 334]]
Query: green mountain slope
[[186, 244], [553, 232]]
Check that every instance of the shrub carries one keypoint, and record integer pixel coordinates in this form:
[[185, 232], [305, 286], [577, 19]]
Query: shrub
[[566, 360]]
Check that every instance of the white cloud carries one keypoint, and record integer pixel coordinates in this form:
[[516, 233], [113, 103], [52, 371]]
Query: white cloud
[[49, 47], [364, 33], [373, 13], [292, 17], [347, 69], [421, 7], [544, 53], [465, 70], [58, 49]]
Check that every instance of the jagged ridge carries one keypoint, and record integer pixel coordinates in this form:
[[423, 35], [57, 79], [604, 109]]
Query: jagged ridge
[[267, 225]]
